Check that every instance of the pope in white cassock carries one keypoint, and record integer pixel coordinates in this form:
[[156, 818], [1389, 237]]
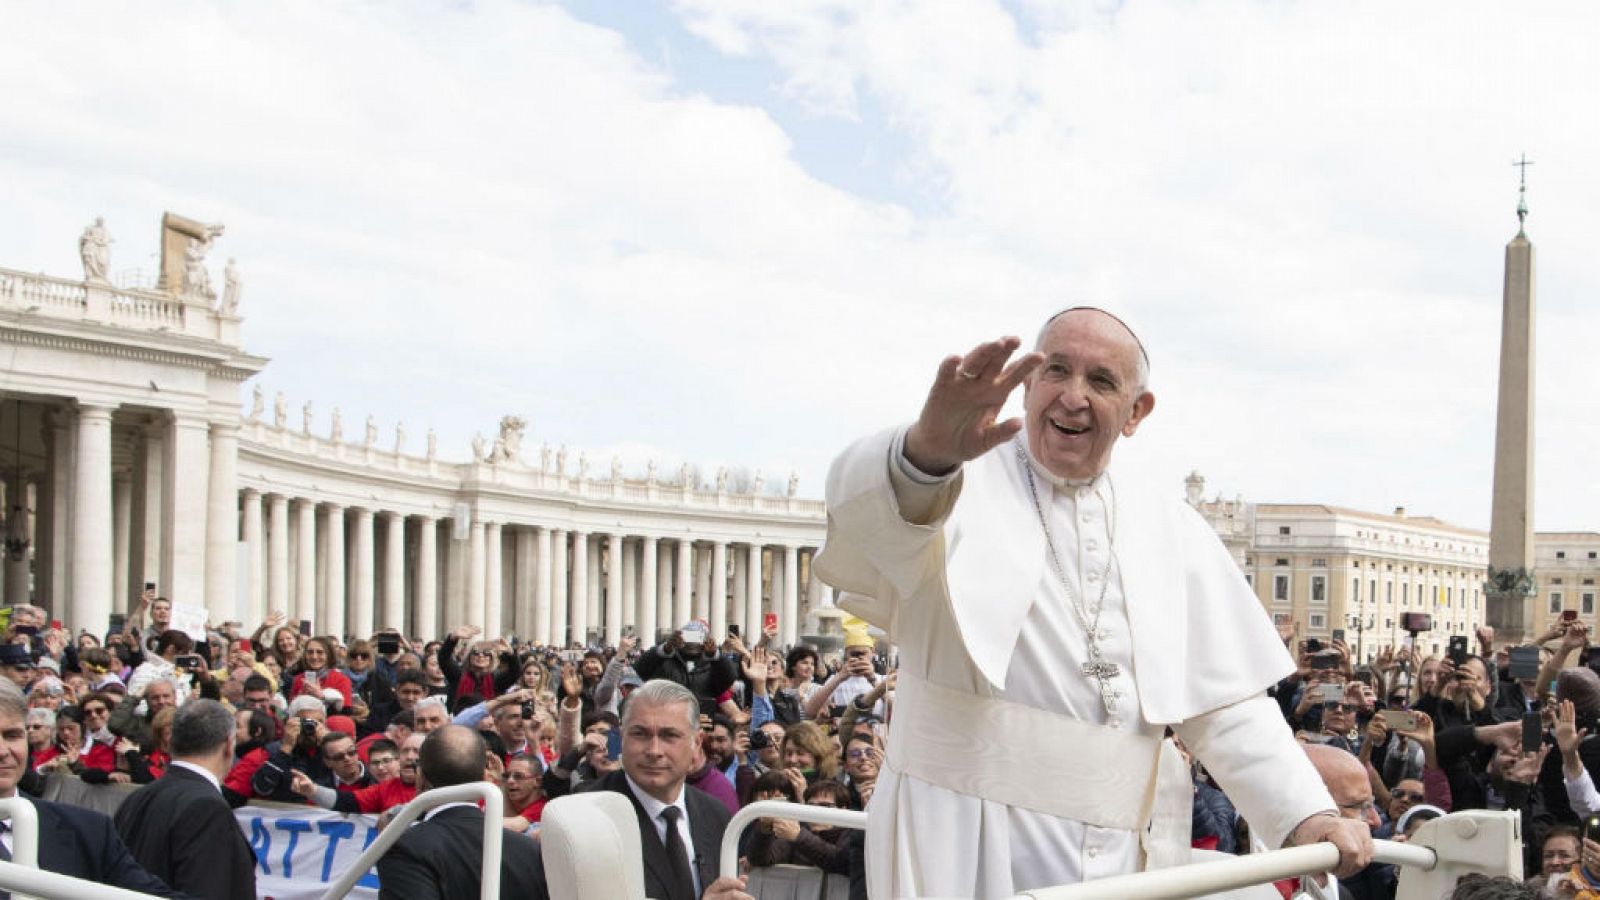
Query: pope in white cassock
[[1052, 619]]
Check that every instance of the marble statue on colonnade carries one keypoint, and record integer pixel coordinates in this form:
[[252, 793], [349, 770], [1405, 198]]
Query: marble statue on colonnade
[[722, 479], [433, 444], [794, 483], [336, 432], [95, 248], [544, 457], [650, 471], [280, 411], [372, 432], [477, 446], [759, 483], [305, 418], [257, 402], [232, 286], [508, 446], [583, 465], [561, 461], [399, 437], [616, 468], [184, 244]]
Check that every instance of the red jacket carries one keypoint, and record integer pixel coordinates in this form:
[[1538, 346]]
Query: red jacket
[[330, 678], [384, 795]]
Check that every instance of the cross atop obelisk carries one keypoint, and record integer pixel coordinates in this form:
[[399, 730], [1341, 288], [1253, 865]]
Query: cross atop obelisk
[[1511, 584]]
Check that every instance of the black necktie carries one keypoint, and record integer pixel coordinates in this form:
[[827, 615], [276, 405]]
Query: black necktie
[[5, 829], [683, 880]]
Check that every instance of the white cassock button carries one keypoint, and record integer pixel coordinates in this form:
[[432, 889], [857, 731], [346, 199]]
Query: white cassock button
[[1093, 852], [1114, 722], [1102, 635], [1094, 576], [1091, 544], [1086, 518]]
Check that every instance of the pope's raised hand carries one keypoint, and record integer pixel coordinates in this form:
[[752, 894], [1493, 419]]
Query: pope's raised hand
[[958, 420]]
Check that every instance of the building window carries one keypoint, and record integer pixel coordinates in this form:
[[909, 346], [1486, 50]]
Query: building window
[[1561, 554], [1405, 594], [1280, 561], [1250, 579], [1555, 581], [1355, 589], [1280, 588], [1318, 620], [1372, 590], [1388, 624], [1283, 529], [1319, 589], [1555, 601], [1591, 554], [1319, 564], [1388, 593], [1588, 604]]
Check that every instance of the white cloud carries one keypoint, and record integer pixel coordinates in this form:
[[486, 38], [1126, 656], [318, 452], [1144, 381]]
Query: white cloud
[[449, 212]]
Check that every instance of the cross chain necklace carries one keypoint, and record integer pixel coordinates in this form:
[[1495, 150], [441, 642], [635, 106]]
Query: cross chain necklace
[[1098, 667]]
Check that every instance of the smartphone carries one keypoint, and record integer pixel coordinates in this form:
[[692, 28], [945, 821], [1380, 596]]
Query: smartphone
[[1338, 635], [243, 645], [305, 628], [1313, 645], [27, 629], [388, 644], [1524, 662], [1458, 649], [1399, 719], [1331, 693], [769, 621], [118, 622], [1532, 732], [1324, 661], [56, 624], [1569, 615], [150, 585], [191, 661], [613, 745]]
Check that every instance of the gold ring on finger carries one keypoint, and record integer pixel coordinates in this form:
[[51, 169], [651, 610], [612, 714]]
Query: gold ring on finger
[[970, 376]]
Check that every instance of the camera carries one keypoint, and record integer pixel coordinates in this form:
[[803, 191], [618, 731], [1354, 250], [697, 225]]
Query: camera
[[388, 644], [760, 740], [266, 780], [527, 711]]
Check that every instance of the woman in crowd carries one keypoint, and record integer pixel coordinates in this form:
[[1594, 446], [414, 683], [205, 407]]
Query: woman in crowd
[[317, 671], [63, 754], [41, 724], [810, 752], [488, 671], [371, 685]]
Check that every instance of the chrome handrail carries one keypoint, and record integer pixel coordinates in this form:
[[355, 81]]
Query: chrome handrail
[[728, 861], [20, 879], [493, 833], [24, 829]]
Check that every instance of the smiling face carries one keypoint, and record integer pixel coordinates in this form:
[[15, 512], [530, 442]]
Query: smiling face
[[521, 783], [1085, 395], [13, 751]]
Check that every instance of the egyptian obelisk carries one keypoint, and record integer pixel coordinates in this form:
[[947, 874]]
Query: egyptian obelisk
[[1511, 585]]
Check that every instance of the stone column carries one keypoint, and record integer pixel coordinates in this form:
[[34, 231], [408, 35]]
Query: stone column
[[331, 616], [752, 589], [630, 583], [560, 602], [16, 529], [815, 590], [526, 585], [278, 553], [222, 523], [702, 584], [394, 571], [648, 593], [305, 561], [122, 536], [475, 574], [578, 608], [683, 573], [596, 583], [614, 597], [741, 592], [719, 590], [56, 586], [358, 617], [663, 590], [789, 629], [493, 580], [144, 562], [187, 502], [91, 522], [255, 580], [543, 572], [426, 608]]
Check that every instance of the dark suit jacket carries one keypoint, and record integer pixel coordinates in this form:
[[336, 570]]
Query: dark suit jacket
[[183, 832], [708, 819], [443, 858], [83, 844]]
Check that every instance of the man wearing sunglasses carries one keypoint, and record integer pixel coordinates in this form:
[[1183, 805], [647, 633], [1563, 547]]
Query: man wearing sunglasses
[[340, 756]]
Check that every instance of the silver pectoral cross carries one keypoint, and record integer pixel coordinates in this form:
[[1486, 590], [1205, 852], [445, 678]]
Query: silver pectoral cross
[[1102, 672]]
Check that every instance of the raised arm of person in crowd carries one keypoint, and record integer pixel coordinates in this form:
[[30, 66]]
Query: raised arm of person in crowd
[[819, 698], [477, 712], [649, 664], [1376, 734], [1485, 636], [448, 663], [261, 639], [506, 669], [569, 716], [1579, 784], [1574, 636], [1435, 783], [607, 688]]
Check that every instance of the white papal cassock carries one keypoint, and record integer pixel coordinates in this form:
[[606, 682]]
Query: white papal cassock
[[1004, 771]]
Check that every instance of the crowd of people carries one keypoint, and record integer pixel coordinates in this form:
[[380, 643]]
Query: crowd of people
[[344, 725]]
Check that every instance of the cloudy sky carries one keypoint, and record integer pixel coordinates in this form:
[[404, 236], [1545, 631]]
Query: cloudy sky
[[745, 232]]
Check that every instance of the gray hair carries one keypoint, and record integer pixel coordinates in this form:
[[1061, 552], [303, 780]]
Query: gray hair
[[305, 703], [661, 692], [200, 727], [1141, 366], [12, 703], [41, 714], [431, 700]]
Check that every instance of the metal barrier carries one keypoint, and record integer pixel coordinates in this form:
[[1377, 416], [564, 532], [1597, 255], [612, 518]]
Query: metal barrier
[[23, 880], [493, 833], [1473, 840]]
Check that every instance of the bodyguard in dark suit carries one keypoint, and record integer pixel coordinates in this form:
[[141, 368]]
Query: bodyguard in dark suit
[[442, 856], [179, 827], [680, 827], [72, 841]]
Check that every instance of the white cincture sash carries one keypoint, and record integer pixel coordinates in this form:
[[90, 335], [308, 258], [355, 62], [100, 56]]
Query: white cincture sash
[[1042, 761]]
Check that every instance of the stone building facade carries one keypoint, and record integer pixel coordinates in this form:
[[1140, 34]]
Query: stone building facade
[[126, 458]]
